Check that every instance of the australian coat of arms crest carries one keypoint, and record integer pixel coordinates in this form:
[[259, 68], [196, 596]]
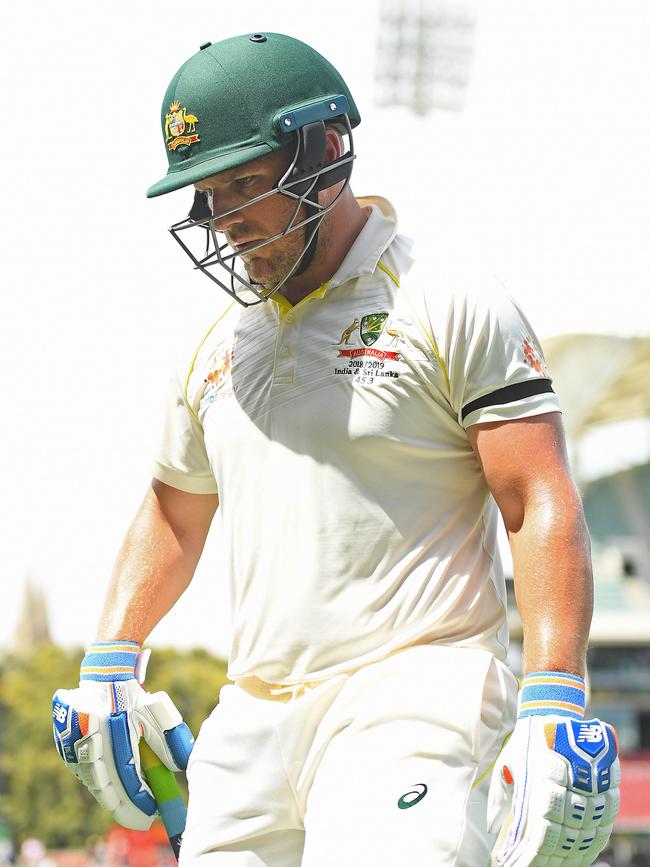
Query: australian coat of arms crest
[[180, 126]]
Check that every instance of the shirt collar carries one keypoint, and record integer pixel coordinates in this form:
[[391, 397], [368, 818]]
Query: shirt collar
[[371, 242]]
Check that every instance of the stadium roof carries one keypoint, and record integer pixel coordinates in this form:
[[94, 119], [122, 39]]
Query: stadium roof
[[600, 378]]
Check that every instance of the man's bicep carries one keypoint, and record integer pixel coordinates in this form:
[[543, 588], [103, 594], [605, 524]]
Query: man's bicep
[[523, 461], [188, 514]]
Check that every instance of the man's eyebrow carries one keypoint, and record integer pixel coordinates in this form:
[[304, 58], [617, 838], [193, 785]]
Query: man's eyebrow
[[229, 175], [209, 183]]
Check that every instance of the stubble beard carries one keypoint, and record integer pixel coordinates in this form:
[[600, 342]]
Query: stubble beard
[[279, 259], [268, 272]]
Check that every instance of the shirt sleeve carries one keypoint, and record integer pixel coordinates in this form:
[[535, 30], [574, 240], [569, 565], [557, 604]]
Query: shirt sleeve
[[496, 366], [182, 460]]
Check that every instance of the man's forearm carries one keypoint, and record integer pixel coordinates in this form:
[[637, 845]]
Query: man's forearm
[[156, 562], [553, 582]]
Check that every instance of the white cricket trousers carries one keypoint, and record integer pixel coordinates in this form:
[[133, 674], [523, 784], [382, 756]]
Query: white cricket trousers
[[387, 766]]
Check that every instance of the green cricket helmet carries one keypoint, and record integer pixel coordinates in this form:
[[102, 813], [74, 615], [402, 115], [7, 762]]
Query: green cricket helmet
[[240, 99]]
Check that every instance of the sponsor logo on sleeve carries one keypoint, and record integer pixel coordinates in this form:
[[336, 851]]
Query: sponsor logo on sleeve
[[534, 358]]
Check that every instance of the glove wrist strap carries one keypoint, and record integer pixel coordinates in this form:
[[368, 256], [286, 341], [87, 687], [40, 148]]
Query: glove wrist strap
[[110, 661], [544, 693]]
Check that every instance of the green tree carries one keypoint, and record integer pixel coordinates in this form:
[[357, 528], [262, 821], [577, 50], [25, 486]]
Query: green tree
[[38, 796]]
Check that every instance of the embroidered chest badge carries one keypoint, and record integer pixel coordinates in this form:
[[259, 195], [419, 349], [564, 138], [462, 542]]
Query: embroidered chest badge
[[368, 363], [347, 332], [180, 126], [371, 327]]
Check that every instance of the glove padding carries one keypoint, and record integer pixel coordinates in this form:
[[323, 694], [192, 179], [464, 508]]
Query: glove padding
[[96, 731], [559, 777]]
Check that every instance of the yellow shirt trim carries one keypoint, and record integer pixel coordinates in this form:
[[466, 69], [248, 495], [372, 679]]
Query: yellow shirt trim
[[422, 325], [285, 306], [490, 767], [430, 338], [383, 268], [198, 349]]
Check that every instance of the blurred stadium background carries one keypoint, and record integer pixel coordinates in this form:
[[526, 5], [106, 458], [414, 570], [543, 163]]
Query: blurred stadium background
[[423, 57]]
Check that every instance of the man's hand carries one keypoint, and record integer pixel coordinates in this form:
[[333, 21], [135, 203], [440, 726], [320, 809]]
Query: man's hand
[[97, 728], [558, 776]]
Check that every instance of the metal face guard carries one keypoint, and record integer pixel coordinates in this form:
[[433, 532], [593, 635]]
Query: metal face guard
[[298, 184]]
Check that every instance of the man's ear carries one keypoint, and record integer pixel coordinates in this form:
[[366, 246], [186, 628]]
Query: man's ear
[[333, 145]]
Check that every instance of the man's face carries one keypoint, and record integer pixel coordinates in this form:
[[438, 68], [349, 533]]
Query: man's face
[[257, 222]]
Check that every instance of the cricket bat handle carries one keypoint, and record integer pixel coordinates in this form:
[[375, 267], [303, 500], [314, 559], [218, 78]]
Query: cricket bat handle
[[164, 786]]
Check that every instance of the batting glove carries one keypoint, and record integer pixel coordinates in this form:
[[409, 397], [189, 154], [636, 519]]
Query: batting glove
[[558, 775], [97, 728]]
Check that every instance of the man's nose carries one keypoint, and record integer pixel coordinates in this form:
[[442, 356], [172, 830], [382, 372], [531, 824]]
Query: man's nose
[[220, 205]]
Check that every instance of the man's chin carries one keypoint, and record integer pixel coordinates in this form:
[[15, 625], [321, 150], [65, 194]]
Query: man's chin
[[259, 272]]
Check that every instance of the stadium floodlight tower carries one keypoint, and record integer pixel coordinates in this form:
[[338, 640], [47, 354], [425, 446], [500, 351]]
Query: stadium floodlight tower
[[424, 53]]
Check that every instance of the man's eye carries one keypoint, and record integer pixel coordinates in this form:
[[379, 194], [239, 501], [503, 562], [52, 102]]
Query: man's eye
[[246, 181]]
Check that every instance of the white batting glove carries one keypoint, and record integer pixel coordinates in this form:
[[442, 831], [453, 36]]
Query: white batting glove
[[97, 728], [558, 776]]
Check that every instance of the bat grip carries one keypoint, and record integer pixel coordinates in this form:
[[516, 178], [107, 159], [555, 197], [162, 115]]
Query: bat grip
[[164, 787]]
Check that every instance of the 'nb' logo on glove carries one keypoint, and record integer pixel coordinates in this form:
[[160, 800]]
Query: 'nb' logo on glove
[[590, 733], [60, 713]]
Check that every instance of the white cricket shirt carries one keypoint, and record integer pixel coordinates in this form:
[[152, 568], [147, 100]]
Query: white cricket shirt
[[354, 511]]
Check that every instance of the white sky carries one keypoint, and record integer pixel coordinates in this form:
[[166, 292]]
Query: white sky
[[544, 176]]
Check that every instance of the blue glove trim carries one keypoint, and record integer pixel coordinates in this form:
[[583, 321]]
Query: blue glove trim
[[66, 728], [57, 743], [125, 764], [110, 660], [180, 742], [552, 692], [582, 742]]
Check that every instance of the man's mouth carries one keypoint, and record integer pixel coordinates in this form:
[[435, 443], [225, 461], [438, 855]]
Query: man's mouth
[[243, 246]]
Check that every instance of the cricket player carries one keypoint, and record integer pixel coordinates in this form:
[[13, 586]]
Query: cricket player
[[356, 429]]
